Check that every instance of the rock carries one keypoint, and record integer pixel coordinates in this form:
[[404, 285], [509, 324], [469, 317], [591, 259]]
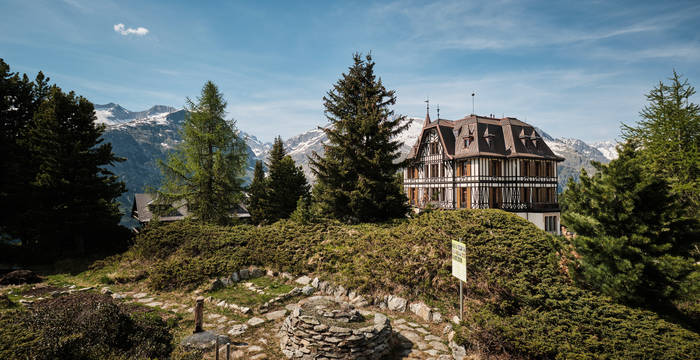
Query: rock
[[340, 291], [244, 274], [256, 273], [396, 303], [255, 321], [315, 282], [422, 310], [235, 277], [437, 317], [447, 329], [205, 340], [216, 284], [274, 315], [106, 291], [117, 296], [304, 280], [287, 276], [238, 329], [439, 346], [254, 348], [308, 290], [259, 357], [154, 304], [271, 273], [19, 277], [458, 352], [455, 319]]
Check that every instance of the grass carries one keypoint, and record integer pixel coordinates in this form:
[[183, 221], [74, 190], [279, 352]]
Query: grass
[[520, 302], [241, 295]]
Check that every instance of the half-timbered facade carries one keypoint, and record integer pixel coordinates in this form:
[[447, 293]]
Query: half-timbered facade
[[484, 163]]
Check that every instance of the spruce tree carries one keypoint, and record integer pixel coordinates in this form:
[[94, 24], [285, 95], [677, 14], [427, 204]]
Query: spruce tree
[[355, 176], [206, 169], [73, 192], [286, 184], [257, 191], [669, 137], [632, 237]]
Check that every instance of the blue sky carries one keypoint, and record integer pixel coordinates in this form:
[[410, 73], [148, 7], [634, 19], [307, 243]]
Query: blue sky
[[575, 69]]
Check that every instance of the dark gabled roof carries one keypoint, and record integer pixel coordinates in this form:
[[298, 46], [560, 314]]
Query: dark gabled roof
[[507, 137], [141, 210]]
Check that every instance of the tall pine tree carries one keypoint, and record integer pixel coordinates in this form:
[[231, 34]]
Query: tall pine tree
[[286, 184], [73, 192], [257, 191], [633, 239], [669, 137], [355, 176], [206, 169]]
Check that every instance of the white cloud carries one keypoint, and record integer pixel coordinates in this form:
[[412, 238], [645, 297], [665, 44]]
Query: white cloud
[[122, 29]]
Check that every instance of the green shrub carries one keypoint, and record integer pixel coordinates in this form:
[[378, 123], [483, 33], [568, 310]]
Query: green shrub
[[82, 326], [524, 305]]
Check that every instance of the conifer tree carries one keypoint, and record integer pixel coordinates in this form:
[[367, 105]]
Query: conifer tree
[[73, 192], [256, 194], [355, 176], [633, 239], [206, 169], [669, 137], [286, 184]]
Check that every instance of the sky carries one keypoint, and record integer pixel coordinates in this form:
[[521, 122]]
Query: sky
[[573, 68]]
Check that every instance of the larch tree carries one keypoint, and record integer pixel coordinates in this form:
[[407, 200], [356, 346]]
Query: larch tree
[[669, 137], [355, 175], [207, 168]]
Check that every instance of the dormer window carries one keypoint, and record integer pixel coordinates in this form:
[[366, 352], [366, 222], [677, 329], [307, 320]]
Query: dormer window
[[468, 141]]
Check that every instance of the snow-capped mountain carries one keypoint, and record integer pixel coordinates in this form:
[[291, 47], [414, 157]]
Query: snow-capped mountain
[[114, 114], [607, 148], [301, 147], [145, 137]]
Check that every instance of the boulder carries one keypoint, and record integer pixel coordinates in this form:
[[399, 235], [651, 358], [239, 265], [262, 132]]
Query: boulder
[[235, 277], [304, 280], [315, 282], [205, 340], [256, 273], [396, 303], [216, 284], [423, 311], [308, 290], [19, 277], [244, 274]]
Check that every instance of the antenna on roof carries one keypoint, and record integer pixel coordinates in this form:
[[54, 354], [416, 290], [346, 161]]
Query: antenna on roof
[[474, 93], [427, 103], [438, 111]]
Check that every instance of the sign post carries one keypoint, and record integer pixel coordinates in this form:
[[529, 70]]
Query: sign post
[[459, 269]]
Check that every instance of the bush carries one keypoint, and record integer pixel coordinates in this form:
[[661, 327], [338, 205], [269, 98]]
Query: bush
[[523, 305], [82, 326]]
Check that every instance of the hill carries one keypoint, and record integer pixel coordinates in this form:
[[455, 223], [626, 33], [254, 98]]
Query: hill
[[520, 301]]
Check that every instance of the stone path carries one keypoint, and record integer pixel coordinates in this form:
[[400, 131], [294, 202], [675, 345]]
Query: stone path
[[255, 333]]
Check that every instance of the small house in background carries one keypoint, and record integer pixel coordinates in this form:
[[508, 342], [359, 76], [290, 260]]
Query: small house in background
[[144, 207]]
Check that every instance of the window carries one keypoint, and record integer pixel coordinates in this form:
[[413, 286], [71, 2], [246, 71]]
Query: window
[[550, 224]]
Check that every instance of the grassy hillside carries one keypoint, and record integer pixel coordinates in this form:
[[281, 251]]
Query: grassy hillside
[[520, 302]]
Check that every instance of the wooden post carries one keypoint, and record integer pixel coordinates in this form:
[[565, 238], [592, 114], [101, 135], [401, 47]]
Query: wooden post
[[199, 315], [217, 347], [461, 302], [228, 351]]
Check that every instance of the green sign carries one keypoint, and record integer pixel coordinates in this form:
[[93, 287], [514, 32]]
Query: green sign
[[459, 260]]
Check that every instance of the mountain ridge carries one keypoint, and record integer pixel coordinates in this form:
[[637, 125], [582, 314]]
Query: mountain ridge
[[145, 137]]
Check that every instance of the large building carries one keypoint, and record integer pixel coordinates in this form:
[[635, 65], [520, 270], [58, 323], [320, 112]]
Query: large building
[[484, 163]]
